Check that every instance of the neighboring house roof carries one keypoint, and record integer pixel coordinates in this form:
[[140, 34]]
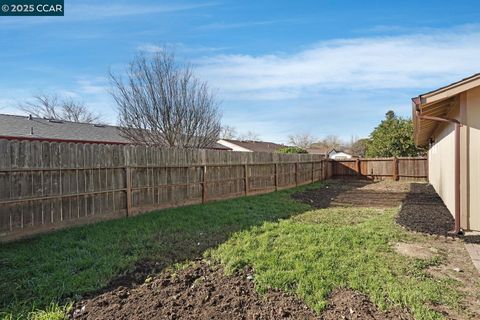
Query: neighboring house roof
[[334, 152], [323, 151], [31, 128], [437, 103], [251, 146], [24, 127], [338, 151]]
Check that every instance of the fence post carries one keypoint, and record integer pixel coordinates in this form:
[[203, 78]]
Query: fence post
[[322, 170], [246, 179], [276, 176], [313, 163], [204, 184], [395, 169], [357, 163], [128, 179], [329, 168], [296, 173]]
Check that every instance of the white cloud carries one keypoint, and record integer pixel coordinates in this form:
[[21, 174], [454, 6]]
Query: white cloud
[[178, 47], [243, 24], [106, 10], [9, 106], [95, 85], [394, 62]]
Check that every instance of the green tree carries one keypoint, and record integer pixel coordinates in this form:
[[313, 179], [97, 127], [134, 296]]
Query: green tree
[[393, 137], [291, 150]]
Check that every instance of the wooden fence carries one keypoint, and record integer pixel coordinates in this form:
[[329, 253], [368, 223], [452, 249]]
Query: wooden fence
[[402, 168], [45, 186]]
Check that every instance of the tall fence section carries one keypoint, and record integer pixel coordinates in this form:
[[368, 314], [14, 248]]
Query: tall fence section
[[45, 185], [402, 168]]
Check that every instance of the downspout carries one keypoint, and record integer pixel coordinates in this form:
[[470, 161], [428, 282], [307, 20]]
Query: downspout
[[457, 229]]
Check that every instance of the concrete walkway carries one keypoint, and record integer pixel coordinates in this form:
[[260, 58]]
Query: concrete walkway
[[473, 248]]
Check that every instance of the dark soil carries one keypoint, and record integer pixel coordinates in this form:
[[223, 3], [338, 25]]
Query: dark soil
[[424, 211], [200, 291], [359, 193], [203, 291], [348, 304], [130, 279]]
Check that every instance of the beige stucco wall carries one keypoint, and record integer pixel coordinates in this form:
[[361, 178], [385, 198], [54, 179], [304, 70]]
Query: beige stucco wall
[[442, 160], [473, 156], [441, 165]]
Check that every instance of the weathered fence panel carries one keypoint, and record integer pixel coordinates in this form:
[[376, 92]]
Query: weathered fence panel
[[413, 169], [45, 186], [401, 168]]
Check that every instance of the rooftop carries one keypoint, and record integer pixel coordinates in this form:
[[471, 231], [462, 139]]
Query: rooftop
[[32, 128], [438, 103], [256, 146]]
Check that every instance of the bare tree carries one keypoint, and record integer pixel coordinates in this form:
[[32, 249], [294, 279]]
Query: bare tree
[[329, 142], [359, 147], [228, 132], [77, 112], [249, 136], [162, 103], [51, 107], [301, 140]]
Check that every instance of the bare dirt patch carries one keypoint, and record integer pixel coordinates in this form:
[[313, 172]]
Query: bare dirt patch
[[359, 193], [415, 250], [457, 266], [348, 304], [203, 291]]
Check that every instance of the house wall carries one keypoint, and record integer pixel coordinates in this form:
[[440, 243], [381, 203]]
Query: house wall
[[473, 157], [340, 155], [441, 165], [442, 160]]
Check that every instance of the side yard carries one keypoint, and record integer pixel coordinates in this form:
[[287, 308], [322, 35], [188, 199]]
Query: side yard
[[323, 251]]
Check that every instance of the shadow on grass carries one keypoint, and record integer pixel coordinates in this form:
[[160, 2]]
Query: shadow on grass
[[76, 262]]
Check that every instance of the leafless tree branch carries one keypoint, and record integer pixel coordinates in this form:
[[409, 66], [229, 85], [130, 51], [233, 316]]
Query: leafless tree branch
[[228, 132], [301, 140], [162, 103], [52, 107], [249, 136]]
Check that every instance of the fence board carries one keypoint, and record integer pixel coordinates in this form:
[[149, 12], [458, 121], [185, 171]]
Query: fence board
[[408, 168]]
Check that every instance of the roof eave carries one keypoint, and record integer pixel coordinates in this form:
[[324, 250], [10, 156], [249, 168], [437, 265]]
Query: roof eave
[[436, 96]]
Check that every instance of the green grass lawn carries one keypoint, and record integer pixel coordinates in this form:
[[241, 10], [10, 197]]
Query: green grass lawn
[[313, 253], [290, 246]]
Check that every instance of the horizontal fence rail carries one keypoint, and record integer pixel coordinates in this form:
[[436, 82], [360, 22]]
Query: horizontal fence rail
[[396, 168], [49, 185]]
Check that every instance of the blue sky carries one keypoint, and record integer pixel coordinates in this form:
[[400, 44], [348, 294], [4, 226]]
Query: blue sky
[[279, 67]]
